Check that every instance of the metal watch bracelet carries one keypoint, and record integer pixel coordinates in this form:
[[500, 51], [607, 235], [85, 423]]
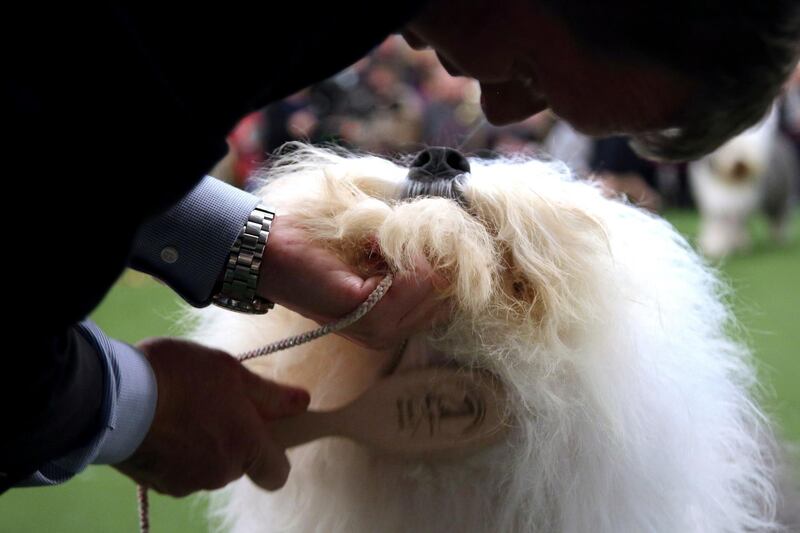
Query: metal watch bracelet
[[240, 279]]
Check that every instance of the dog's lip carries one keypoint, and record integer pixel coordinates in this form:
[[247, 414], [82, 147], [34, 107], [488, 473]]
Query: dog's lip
[[421, 175], [452, 188]]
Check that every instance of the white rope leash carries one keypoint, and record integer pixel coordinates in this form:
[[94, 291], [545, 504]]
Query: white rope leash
[[352, 317], [144, 508], [374, 297]]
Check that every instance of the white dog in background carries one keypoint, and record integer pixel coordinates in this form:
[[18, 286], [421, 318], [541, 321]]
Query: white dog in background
[[751, 173], [632, 405]]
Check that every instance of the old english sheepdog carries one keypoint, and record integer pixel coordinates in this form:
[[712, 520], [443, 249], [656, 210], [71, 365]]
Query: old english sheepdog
[[631, 403], [752, 173]]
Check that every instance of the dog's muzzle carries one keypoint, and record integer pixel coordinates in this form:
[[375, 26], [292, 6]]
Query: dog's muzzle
[[437, 172]]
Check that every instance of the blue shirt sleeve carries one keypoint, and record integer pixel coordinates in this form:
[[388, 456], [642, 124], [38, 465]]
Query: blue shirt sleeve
[[187, 246], [129, 402]]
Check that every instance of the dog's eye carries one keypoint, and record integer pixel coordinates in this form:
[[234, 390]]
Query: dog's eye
[[519, 288]]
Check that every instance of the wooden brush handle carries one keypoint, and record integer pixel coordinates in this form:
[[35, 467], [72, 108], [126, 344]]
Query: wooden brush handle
[[433, 411], [296, 430]]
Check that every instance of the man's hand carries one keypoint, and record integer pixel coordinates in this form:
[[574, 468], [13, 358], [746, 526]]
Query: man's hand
[[211, 422], [311, 280]]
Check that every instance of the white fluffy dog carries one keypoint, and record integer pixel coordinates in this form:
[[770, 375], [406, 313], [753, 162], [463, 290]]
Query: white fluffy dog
[[750, 173], [631, 403]]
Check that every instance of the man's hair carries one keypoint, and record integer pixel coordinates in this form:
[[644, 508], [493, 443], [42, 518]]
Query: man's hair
[[739, 52]]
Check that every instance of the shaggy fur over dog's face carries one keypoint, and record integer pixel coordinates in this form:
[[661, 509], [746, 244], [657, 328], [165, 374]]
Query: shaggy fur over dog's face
[[629, 399]]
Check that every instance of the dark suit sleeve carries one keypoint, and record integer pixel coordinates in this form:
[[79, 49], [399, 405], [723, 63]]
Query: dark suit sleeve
[[97, 143], [42, 425], [112, 114]]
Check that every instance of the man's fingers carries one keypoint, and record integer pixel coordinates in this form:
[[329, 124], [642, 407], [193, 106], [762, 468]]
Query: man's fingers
[[270, 469], [407, 291], [408, 306], [273, 400], [369, 285], [428, 314]]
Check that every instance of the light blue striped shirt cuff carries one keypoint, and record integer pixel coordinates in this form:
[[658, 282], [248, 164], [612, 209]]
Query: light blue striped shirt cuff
[[129, 404], [187, 246]]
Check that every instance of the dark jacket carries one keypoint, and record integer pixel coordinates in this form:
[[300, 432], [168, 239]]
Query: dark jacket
[[112, 115]]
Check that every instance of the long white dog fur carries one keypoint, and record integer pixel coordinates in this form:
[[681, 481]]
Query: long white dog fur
[[631, 398]]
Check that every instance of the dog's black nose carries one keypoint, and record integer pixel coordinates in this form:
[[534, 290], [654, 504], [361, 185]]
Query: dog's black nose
[[438, 163]]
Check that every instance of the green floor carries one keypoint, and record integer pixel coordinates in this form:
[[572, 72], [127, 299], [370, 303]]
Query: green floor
[[767, 299]]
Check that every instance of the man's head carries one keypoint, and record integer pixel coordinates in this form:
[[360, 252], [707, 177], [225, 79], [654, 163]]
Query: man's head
[[680, 79]]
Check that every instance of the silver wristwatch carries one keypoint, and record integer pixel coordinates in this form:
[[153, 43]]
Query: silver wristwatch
[[240, 280]]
